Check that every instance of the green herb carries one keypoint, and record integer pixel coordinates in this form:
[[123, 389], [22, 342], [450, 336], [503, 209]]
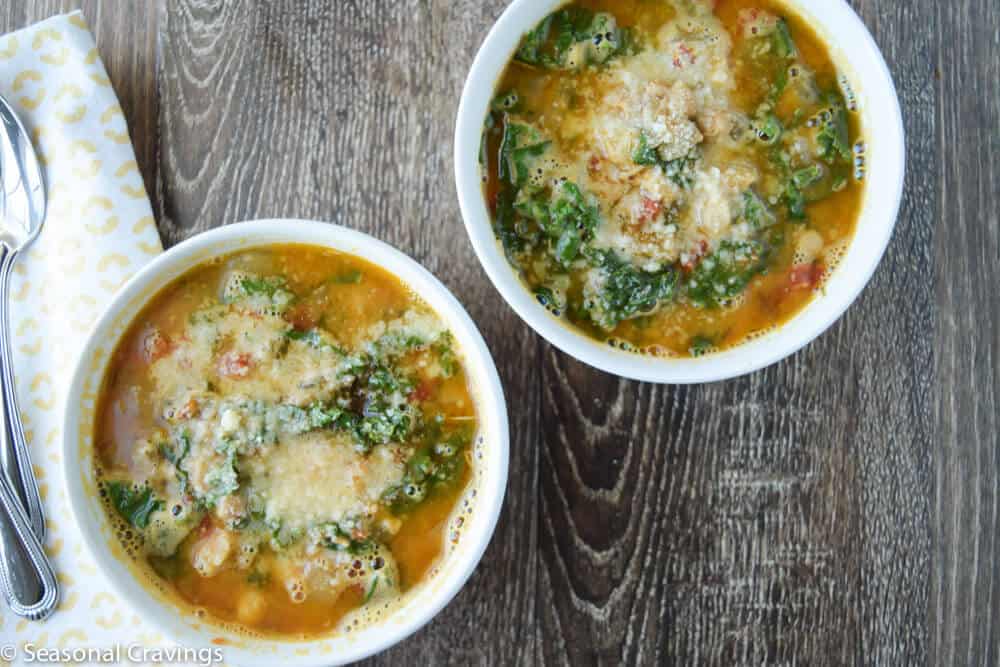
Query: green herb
[[833, 136], [505, 225], [566, 217], [220, 481], [533, 43], [548, 298], [352, 277], [445, 351], [175, 454], [135, 505], [768, 129], [508, 101], [520, 146], [795, 201], [679, 170], [572, 221], [281, 535], [312, 338], [723, 275], [338, 538], [625, 290], [371, 590], [700, 345], [573, 38], [645, 154], [807, 176], [258, 578], [756, 212], [436, 465], [266, 286], [262, 293], [784, 45]]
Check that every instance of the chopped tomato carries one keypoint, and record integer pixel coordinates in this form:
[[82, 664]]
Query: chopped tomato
[[154, 346], [301, 319], [594, 164], [235, 365], [804, 276], [188, 410], [684, 56], [422, 391], [691, 258], [650, 209]]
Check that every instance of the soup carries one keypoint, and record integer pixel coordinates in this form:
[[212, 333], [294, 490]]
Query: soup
[[282, 436], [673, 177]]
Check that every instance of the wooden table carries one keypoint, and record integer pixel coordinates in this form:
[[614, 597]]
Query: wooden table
[[838, 508]]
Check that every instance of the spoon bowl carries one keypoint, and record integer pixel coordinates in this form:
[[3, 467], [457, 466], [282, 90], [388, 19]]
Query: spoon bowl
[[22, 207]]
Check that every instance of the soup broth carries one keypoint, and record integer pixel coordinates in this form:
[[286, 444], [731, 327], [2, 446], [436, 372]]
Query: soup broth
[[282, 436], [673, 176]]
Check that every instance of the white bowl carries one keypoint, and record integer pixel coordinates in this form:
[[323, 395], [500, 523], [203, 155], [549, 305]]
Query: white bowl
[[856, 55], [489, 475]]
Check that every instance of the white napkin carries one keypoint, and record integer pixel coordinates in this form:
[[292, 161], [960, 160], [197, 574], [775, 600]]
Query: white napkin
[[98, 232]]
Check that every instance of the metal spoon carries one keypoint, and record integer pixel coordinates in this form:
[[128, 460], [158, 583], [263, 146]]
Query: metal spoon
[[22, 212], [27, 581]]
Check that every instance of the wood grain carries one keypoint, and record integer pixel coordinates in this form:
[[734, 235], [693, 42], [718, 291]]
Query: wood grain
[[838, 508], [965, 600], [126, 35]]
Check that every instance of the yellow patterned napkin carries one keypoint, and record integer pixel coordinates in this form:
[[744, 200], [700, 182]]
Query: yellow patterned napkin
[[99, 231]]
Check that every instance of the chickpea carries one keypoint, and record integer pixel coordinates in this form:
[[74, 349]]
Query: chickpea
[[251, 607]]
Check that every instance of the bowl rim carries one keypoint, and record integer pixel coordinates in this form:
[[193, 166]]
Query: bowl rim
[[435, 593], [882, 200]]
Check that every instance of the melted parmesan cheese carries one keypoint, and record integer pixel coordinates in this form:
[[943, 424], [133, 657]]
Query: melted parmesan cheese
[[320, 477]]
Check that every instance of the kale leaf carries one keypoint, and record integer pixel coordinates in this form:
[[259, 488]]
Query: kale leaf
[[520, 145], [508, 101], [505, 225], [135, 505], [784, 45], [756, 212], [444, 348], [768, 129], [795, 201], [340, 538], [833, 137], [700, 345], [267, 286], [260, 293], [532, 47], [624, 290], [436, 465], [175, 454], [723, 275], [221, 481], [645, 154], [803, 178], [566, 217], [679, 170], [575, 37]]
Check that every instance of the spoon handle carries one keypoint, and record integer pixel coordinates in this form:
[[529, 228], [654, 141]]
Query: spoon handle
[[27, 581], [24, 482]]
